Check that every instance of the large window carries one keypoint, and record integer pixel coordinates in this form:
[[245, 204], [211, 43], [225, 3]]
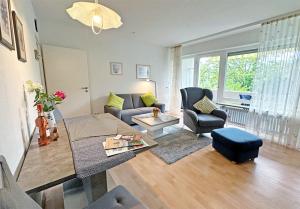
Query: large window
[[240, 71], [229, 74], [239, 75]]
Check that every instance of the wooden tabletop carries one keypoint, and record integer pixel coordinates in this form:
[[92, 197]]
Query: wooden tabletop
[[47, 166]]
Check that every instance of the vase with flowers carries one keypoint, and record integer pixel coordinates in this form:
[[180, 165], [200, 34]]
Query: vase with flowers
[[49, 101]]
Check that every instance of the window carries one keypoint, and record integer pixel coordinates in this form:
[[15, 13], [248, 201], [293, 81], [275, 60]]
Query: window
[[229, 74], [187, 72], [209, 74], [240, 71]]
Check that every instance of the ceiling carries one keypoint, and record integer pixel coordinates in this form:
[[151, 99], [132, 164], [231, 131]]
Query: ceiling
[[170, 22]]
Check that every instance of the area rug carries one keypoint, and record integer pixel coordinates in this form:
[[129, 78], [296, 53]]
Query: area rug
[[178, 143]]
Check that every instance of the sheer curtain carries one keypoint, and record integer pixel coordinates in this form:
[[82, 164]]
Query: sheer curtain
[[176, 78], [275, 109]]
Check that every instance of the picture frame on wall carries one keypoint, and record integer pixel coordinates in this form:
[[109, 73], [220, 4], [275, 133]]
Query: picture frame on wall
[[19, 36], [116, 68], [6, 29], [143, 71]]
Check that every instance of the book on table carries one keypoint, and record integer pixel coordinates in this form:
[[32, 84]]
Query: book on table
[[120, 144]]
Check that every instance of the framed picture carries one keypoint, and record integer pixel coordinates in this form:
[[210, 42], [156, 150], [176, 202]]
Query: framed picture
[[143, 71], [6, 29], [19, 35], [116, 68]]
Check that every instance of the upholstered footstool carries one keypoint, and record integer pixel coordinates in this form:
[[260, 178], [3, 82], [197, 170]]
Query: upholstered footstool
[[235, 144]]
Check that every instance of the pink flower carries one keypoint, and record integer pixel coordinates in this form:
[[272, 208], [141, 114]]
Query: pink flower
[[60, 94]]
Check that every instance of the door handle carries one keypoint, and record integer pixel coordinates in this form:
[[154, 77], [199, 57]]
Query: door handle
[[86, 89]]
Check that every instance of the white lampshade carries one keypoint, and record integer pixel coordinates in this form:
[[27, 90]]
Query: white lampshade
[[85, 13]]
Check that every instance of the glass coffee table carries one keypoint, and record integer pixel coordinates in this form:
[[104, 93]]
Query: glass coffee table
[[154, 125]]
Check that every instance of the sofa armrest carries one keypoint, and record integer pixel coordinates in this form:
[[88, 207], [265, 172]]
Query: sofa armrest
[[112, 110], [161, 106], [220, 113]]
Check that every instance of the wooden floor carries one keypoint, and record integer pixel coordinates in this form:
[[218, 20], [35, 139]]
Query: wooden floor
[[206, 179]]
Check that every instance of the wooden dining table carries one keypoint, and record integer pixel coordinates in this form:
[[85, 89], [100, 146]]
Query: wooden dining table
[[47, 166]]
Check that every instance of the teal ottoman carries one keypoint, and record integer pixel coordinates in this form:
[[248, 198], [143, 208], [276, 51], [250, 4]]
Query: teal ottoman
[[235, 144]]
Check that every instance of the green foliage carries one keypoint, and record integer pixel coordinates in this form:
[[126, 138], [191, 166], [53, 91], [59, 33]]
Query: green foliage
[[48, 101], [239, 73], [209, 72]]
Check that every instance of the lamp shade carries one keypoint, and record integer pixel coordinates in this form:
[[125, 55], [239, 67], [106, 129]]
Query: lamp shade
[[84, 12]]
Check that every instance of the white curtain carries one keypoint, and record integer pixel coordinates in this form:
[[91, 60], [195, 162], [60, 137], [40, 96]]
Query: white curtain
[[275, 109], [176, 78]]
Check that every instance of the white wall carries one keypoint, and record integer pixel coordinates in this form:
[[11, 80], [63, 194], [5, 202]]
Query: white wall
[[228, 41], [108, 47], [17, 121]]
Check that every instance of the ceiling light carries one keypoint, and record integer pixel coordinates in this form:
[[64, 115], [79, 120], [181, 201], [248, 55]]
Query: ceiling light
[[95, 15]]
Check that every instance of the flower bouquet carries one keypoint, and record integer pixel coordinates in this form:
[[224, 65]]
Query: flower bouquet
[[49, 101]]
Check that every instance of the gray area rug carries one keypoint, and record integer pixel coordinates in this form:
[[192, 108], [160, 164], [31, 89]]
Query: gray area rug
[[178, 143]]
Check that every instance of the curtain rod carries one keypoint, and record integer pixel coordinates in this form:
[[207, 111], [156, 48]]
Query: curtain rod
[[264, 21]]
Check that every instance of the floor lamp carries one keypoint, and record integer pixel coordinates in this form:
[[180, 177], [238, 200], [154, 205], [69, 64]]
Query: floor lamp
[[152, 81]]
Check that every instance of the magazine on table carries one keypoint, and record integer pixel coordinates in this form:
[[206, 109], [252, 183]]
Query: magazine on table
[[123, 141], [120, 144]]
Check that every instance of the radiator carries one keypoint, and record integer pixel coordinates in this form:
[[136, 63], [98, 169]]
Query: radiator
[[236, 115]]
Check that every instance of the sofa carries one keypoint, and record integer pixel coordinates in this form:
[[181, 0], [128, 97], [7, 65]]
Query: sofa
[[133, 105], [193, 118]]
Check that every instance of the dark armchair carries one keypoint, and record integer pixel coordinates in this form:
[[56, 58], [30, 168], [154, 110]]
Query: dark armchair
[[193, 118]]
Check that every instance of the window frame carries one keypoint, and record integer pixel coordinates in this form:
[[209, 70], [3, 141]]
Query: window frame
[[224, 54]]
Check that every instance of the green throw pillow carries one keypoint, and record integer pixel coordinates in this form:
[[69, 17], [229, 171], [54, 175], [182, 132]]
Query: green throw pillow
[[149, 99], [115, 101], [205, 105]]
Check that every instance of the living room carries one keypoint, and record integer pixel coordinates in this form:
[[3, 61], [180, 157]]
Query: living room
[[149, 104]]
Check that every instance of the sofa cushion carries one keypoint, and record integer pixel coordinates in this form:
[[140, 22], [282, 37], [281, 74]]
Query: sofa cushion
[[148, 99], [137, 101], [208, 120], [236, 139], [145, 110], [127, 101], [115, 101], [127, 114], [205, 105]]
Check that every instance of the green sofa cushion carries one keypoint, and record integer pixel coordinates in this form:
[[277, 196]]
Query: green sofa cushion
[[115, 101], [149, 99]]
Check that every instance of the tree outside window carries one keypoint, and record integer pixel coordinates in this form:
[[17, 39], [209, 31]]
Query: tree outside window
[[240, 72], [209, 72]]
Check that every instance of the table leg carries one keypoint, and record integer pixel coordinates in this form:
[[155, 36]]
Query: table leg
[[156, 133], [95, 186]]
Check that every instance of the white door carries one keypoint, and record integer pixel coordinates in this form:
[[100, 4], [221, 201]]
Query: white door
[[66, 69]]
